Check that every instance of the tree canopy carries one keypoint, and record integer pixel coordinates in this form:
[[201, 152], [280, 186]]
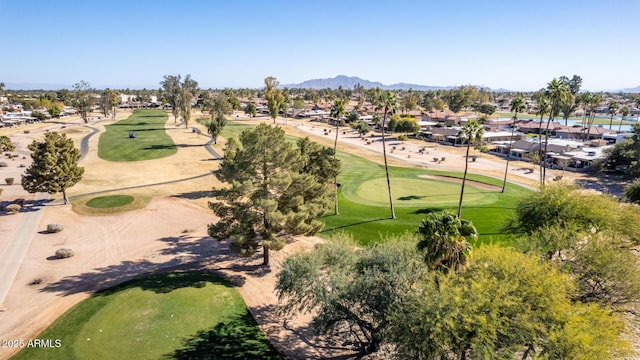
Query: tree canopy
[[82, 99], [274, 190], [55, 165]]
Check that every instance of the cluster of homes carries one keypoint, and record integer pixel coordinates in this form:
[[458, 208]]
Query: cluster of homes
[[571, 147], [18, 116]]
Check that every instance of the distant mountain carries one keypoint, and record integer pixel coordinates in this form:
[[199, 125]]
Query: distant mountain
[[348, 82], [36, 86], [632, 90]]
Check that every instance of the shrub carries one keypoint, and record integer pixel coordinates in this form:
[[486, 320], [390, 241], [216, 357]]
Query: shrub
[[3, 164], [54, 228], [64, 253], [13, 208], [632, 192], [27, 131], [9, 180]]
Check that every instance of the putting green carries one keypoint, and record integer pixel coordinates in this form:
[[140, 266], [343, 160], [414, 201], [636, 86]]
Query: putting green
[[412, 192], [109, 201]]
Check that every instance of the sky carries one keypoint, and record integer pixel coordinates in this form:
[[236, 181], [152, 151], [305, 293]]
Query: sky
[[515, 45]]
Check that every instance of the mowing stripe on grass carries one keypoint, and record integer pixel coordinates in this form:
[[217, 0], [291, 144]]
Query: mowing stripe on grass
[[151, 140]]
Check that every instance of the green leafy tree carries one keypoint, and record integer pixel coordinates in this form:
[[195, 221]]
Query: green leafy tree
[[171, 93], [444, 240], [631, 191], [517, 106], [82, 99], [388, 103], [215, 126], [250, 110], [362, 128], [270, 194], [108, 101], [350, 288], [188, 90], [572, 100], [55, 165], [470, 133], [486, 109], [274, 96], [624, 156], [6, 144], [506, 305]]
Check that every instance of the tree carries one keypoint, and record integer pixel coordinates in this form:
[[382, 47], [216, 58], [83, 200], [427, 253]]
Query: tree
[[188, 91], [298, 106], [274, 96], [6, 144], [470, 132], [271, 194], [486, 109], [544, 107], [350, 291], [172, 94], [336, 112], [108, 101], [570, 103], [517, 106], [624, 112], [612, 109], [631, 192], [389, 103], [624, 156], [215, 126], [82, 99], [443, 238], [55, 165], [362, 128], [557, 92], [506, 305]]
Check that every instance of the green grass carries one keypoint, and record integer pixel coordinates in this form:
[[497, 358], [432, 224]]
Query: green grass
[[109, 201], [178, 316], [151, 142], [364, 200]]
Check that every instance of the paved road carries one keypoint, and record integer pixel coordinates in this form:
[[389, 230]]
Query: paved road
[[18, 245]]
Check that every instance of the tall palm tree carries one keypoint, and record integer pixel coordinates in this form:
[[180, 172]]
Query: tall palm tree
[[557, 93], [444, 239], [337, 111], [389, 103], [595, 101], [543, 108], [625, 112], [470, 132], [517, 105], [612, 109]]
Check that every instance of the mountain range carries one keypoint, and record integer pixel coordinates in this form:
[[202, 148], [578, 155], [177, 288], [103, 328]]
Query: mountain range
[[348, 82]]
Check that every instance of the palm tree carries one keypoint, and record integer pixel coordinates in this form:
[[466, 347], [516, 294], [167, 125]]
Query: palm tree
[[595, 100], [389, 103], [625, 112], [517, 105], [336, 112], [543, 107], [612, 109], [444, 239], [557, 92], [470, 132]]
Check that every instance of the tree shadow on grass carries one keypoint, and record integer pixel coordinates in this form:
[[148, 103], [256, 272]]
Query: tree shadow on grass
[[238, 338], [410, 197]]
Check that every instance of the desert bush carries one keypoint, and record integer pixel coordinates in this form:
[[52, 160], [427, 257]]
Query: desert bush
[[54, 228], [36, 281], [9, 180], [13, 208], [27, 131], [64, 253], [3, 164]]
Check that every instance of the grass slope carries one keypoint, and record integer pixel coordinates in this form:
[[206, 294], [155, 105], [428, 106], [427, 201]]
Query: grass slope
[[109, 201], [178, 315], [151, 142], [364, 200]]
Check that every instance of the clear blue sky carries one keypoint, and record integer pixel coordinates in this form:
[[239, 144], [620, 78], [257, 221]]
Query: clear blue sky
[[519, 45]]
